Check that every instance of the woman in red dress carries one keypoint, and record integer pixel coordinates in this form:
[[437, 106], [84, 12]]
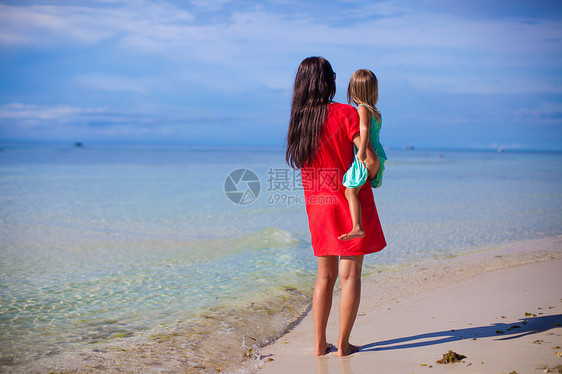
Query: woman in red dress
[[320, 142]]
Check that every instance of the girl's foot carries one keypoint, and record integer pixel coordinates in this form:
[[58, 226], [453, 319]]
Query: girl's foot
[[353, 234], [346, 351], [321, 352]]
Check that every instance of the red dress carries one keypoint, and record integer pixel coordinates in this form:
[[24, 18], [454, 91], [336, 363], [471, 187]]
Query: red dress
[[326, 204]]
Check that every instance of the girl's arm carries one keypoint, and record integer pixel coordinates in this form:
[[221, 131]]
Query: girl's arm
[[364, 123]]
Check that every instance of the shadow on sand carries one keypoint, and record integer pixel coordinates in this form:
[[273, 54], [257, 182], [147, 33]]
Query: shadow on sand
[[503, 331]]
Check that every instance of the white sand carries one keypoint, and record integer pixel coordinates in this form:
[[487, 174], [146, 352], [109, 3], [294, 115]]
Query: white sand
[[409, 318]]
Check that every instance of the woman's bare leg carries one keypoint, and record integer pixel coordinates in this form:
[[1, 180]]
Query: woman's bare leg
[[355, 211], [322, 300], [350, 278]]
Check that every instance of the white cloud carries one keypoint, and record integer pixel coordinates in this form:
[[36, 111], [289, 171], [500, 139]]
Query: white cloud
[[42, 26], [232, 56], [477, 84], [210, 5], [33, 120], [541, 111], [114, 83], [46, 25], [43, 114], [249, 37], [162, 26]]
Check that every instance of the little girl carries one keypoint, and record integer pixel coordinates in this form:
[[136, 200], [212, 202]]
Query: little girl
[[363, 92]]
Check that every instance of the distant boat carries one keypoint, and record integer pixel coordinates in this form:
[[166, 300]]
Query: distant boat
[[410, 148], [501, 149], [78, 144]]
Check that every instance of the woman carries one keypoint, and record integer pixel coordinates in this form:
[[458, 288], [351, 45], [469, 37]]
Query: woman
[[320, 142]]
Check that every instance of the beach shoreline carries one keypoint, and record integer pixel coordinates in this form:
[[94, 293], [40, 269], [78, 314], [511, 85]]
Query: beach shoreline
[[390, 296], [402, 310]]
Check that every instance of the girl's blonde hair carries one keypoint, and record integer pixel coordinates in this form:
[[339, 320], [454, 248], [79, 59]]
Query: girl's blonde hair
[[363, 89]]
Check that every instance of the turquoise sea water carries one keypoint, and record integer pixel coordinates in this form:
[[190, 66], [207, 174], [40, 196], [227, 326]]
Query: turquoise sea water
[[113, 243]]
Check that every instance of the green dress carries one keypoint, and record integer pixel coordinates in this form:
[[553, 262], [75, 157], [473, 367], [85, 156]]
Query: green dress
[[357, 174]]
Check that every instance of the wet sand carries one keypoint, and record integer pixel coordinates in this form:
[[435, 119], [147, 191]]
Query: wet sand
[[501, 308]]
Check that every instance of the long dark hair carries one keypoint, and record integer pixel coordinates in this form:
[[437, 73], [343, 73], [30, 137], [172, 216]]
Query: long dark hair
[[314, 89]]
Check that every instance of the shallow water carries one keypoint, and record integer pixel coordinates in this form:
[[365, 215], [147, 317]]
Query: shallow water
[[125, 243]]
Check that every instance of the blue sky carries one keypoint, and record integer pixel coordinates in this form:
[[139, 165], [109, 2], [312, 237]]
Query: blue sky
[[479, 74]]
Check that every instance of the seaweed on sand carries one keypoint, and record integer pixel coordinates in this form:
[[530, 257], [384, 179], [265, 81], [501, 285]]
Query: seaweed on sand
[[450, 357], [556, 369]]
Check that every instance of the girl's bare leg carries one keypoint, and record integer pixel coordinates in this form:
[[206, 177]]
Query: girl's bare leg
[[355, 211], [350, 278], [322, 301], [372, 162]]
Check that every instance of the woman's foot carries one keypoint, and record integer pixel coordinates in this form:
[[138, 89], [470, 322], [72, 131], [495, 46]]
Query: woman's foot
[[321, 351], [353, 234], [347, 350]]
